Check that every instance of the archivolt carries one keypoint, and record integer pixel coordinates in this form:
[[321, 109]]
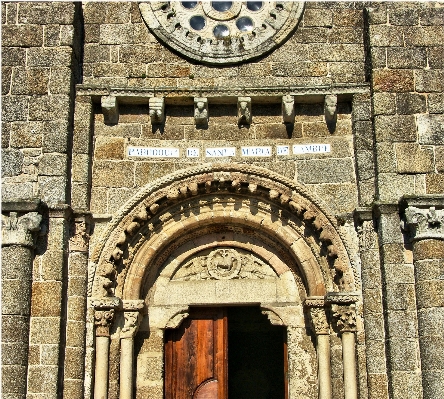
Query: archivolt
[[264, 210]]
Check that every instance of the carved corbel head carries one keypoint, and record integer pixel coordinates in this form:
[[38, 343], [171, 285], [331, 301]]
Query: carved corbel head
[[288, 112], [110, 109], [330, 111], [244, 110], [157, 110], [201, 111]]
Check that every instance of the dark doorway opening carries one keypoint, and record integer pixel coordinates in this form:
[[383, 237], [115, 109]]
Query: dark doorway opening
[[256, 355], [226, 353]]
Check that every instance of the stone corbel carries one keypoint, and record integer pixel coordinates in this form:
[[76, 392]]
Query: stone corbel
[[330, 111], [157, 110], [20, 230], [425, 223], [244, 110], [288, 111], [201, 111], [110, 109]]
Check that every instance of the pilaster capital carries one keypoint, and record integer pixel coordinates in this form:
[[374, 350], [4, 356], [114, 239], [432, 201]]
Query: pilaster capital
[[423, 223], [102, 321], [20, 230], [345, 316]]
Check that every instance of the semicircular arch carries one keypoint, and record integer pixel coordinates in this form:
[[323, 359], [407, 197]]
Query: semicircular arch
[[259, 208]]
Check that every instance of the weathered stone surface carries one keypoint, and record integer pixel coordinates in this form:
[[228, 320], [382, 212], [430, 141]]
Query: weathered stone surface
[[430, 129], [12, 162], [408, 103], [396, 128], [412, 158], [325, 171], [393, 80], [429, 80]]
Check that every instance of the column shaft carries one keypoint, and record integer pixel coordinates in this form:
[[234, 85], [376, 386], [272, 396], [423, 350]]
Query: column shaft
[[349, 364], [126, 368], [101, 371], [324, 368]]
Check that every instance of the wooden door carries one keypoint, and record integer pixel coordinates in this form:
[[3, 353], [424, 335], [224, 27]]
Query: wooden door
[[196, 356]]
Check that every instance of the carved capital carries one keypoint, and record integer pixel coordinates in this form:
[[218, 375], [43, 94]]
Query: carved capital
[[102, 321], [424, 223], [343, 298], [319, 321], [345, 316], [20, 230], [79, 235], [132, 322]]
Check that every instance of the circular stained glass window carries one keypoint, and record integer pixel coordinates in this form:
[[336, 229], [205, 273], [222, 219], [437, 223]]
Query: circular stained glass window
[[189, 4], [221, 6], [221, 31], [254, 5], [197, 22], [199, 29], [245, 24]]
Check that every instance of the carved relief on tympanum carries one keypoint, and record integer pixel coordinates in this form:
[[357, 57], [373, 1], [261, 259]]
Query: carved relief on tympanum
[[224, 264]]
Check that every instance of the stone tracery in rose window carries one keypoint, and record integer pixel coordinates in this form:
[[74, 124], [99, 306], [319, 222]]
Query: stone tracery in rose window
[[222, 32]]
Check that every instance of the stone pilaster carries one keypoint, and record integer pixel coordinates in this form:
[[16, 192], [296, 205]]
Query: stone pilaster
[[424, 221], [20, 225]]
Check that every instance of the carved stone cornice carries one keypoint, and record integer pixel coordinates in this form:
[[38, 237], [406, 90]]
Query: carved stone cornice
[[314, 301], [102, 321], [132, 322], [223, 94], [20, 230], [345, 316]]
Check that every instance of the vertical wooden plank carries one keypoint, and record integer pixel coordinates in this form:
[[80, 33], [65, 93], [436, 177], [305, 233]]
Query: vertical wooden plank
[[285, 363]]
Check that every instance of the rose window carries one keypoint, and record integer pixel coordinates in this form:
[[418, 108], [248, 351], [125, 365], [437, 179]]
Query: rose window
[[222, 32]]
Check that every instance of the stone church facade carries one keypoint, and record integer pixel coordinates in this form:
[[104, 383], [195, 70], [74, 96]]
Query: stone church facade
[[258, 174]]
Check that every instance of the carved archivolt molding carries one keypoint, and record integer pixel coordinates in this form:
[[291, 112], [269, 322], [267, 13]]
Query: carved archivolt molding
[[211, 195]]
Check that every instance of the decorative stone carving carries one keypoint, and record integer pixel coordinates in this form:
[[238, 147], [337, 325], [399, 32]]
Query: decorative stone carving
[[273, 317], [107, 276], [425, 223], [177, 319], [201, 111], [20, 230], [110, 109], [341, 297], [132, 321], [79, 239], [102, 321], [330, 111], [244, 110], [288, 111], [224, 264], [157, 110], [229, 36], [345, 316], [319, 321]]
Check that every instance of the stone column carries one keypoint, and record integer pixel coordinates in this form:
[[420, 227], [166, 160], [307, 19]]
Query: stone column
[[129, 330], [344, 311], [425, 221], [322, 330], [20, 223], [103, 318]]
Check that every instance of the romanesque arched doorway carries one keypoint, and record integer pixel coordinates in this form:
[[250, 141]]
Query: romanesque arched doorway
[[221, 236]]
